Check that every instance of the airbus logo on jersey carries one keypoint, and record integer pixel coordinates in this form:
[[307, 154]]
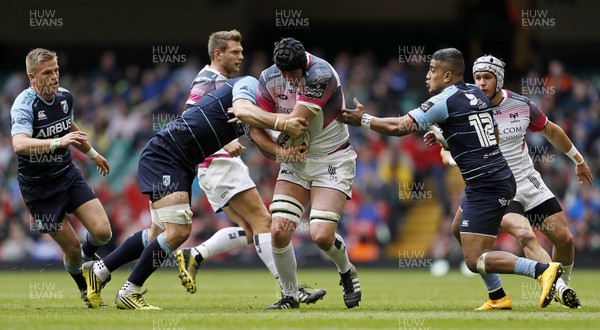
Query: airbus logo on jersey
[[55, 129], [475, 101]]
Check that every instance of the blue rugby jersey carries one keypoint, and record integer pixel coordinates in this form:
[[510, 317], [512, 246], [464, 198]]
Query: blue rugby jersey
[[41, 119], [203, 129], [464, 114]]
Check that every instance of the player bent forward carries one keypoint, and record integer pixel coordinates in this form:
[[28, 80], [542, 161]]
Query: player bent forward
[[167, 168]]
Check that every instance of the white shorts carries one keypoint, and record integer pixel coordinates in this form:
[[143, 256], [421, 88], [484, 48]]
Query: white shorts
[[532, 191], [224, 178], [336, 171]]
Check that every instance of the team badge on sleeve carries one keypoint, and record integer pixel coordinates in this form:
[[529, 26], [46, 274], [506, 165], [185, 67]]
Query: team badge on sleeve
[[426, 106]]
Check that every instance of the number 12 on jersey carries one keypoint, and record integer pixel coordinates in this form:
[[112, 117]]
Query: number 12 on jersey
[[484, 127]]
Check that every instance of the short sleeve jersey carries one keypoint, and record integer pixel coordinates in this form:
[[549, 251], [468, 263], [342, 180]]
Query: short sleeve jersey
[[515, 115], [463, 113], [319, 90], [41, 119]]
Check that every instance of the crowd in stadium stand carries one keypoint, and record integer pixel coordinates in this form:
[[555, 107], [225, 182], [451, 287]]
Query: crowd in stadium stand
[[122, 106]]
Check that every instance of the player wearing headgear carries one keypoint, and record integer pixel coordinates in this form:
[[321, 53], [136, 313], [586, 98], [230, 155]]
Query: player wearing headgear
[[469, 128], [226, 181], [306, 86], [166, 170], [534, 203]]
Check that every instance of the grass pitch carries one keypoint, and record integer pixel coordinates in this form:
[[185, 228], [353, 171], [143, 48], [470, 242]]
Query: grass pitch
[[235, 299]]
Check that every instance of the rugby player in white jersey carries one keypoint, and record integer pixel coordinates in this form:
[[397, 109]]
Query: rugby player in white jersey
[[307, 86], [226, 181], [534, 204]]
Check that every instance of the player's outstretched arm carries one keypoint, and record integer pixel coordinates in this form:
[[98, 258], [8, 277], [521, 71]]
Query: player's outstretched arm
[[559, 139], [247, 112], [396, 126]]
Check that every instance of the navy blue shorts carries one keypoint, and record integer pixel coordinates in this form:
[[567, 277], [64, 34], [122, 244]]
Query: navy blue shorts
[[49, 202], [161, 172], [484, 205]]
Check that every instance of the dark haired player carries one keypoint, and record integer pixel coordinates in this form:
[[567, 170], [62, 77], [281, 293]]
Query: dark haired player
[[463, 113], [305, 86], [534, 203], [226, 181]]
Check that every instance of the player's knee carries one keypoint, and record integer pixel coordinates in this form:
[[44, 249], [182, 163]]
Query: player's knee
[[323, 240], [286, 207], [179, 214], [280, 238], [323, 236], [563, 239], [278, 235], [103, 235], [474, 262], [178, 234]]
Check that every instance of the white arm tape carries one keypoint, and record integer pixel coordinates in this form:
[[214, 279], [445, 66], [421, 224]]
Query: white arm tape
[[92, 153], [365, 120], [572, 153], [54, 143]]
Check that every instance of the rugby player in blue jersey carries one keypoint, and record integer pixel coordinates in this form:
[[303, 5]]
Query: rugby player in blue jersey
[[534, 204], [469, 127], [42, 130], [166, 171]]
